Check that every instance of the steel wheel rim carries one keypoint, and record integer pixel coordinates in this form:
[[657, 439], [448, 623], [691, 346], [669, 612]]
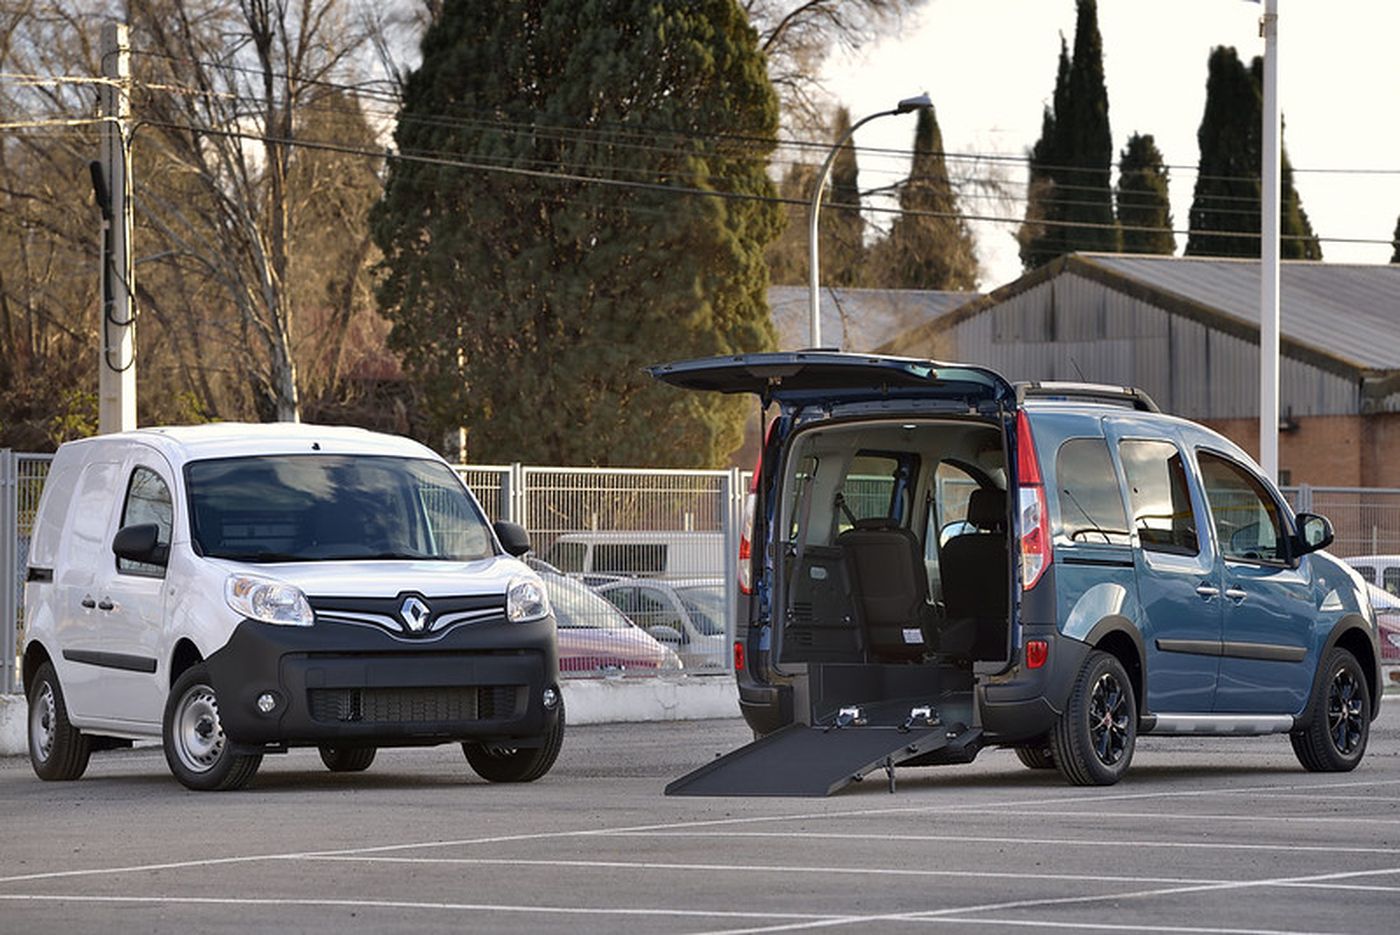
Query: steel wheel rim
[[1108, 720], [198, 735], [43, 718], [1345, 722]]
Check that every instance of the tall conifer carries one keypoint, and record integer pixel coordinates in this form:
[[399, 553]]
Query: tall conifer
[[1144, 208]]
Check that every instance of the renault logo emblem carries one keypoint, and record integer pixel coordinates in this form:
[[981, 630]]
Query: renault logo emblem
[[415, 614]]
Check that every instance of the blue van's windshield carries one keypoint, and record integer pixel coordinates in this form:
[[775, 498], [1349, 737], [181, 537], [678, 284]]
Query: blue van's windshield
[[293, 508]]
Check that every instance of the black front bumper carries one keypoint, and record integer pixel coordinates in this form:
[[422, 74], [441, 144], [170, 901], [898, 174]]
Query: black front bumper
[[339, 683]]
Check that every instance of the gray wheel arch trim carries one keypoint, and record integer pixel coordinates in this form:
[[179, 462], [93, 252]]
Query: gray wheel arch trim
[[1116, 623], [1343, 626]]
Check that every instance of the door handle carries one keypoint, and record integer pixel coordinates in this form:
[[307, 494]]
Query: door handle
[[88, 602], [1207, 591], [1236, 594], [105, 604]]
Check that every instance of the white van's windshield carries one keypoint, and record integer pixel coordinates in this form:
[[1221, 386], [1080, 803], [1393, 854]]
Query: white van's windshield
[[294, 508]]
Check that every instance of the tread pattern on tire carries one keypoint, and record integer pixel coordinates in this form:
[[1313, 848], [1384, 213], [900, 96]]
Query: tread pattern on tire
[[71, 747], [540, 759], [1313, 744], [1068, 740]]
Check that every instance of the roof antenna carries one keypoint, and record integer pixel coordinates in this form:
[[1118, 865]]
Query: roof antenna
[[1082, 379]]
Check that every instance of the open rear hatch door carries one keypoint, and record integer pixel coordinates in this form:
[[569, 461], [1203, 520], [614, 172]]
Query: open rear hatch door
[[797, 378]]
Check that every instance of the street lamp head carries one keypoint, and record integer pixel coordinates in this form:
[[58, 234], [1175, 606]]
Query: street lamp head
[[919, 102]]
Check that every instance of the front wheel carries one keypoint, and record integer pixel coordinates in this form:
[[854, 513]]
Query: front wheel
[[498, 763], [1339, 723], [347, 759], [195, 747], [57, 749], [1094, 738]]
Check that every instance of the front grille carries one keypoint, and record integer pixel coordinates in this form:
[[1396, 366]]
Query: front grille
[[413, 705]]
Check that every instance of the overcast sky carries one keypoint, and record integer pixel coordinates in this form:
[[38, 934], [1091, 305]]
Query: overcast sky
[[989, 66]]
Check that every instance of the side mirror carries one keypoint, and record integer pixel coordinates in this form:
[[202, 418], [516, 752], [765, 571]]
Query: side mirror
[[1314, 532], [140, 543], [514, 539], [664, 634]]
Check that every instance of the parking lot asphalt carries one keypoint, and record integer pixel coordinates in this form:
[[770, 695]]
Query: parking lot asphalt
[[1203, 836]]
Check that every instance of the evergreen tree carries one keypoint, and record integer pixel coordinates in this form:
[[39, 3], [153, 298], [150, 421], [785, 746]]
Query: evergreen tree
[[841, 228], [1144, 209], [524, 307], [930, 246], [1070, 201], [1395, 241], [1225, 211]]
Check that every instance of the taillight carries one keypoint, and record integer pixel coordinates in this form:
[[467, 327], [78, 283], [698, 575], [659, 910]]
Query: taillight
[[746, 530], [1033, 519], [1037, 651], [738, 655]]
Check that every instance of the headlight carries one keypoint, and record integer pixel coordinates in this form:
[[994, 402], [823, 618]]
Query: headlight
[[1394, 639], [526, 600], [268, 600]]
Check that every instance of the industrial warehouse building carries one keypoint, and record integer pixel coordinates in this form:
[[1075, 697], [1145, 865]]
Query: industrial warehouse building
[[1186, 330]]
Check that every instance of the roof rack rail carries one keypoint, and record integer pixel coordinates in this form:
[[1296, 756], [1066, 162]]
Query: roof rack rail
[[1129, 396]]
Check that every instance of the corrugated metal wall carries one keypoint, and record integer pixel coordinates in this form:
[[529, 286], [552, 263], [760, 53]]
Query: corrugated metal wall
[[1189, 369]]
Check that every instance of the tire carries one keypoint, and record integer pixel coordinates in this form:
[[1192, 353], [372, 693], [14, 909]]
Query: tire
[[1038, 756], [1093, 740], [195, 748], [58, 751], [496, 763], [1339, 719], [347, 759]]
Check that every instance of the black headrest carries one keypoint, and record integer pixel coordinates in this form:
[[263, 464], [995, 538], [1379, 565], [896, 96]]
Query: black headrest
[[987, 508], [877, 522]]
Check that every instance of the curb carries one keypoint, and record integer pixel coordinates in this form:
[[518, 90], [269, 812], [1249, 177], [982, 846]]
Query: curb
[[588, 701]]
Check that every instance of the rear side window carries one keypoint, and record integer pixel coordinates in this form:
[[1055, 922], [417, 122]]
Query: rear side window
[[1091, 505], [1367, 573], [147, 501], [631, 558], [878, 485], [1390, 580], [1160, 499]]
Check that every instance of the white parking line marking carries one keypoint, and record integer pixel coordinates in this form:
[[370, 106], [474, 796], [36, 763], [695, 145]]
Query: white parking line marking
[[1027, 806], [938, 915], [1119, 927], [984, 839], [1187, 816], [409, 904], [760, 868]]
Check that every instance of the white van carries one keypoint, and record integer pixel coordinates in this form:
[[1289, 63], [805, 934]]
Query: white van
[[240, 589], [645, 553]]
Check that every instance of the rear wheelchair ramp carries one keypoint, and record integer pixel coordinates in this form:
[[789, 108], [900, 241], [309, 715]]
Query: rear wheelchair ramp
[[817, 760]]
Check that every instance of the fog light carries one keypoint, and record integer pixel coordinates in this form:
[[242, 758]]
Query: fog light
[[266, 702], [551, 698]]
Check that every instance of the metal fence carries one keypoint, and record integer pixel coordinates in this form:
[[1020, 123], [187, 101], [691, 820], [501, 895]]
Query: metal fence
[[639, 564]]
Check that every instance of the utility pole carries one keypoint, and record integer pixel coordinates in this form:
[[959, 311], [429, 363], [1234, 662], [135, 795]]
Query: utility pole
[[1269, 251], [116, 368]]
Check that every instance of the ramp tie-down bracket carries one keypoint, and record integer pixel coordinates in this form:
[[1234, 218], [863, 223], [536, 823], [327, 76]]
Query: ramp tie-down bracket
[[846, 717], [921, 716]]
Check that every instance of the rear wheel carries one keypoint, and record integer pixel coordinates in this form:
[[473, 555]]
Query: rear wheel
[[500, 763], [1094, 738], [347, 759], [195, 747], [1037, 756], [57, 749], [1340, 721]]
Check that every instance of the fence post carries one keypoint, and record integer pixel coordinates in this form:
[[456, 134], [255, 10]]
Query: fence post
[[9, 580], [516, 505], [730, 525], [1305, 493]]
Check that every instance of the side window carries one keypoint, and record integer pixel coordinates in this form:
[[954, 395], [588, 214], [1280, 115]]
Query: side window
[[1160, 498], [797, 486], [631, 558], [147, 501], [953, 489], [869, 489], [1247, 521], [1367, 573], [1091, 505], [654, 610], [1390, 580]]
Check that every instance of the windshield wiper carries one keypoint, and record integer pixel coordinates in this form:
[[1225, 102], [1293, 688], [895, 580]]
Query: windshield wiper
[[258, 557]]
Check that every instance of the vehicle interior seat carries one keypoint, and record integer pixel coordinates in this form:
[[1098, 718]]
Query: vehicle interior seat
[[891, 589], [975, 568]]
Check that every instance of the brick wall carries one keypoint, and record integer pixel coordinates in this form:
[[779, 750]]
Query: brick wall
[[1329, 451]]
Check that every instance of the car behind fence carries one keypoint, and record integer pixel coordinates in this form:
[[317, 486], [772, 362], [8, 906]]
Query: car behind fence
[[640, 564]]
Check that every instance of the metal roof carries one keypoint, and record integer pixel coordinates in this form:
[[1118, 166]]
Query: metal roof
[[857, 320], [1345, 310]]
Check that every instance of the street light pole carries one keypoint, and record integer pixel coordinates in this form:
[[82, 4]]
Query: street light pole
[[908, 105], [1269, 252]]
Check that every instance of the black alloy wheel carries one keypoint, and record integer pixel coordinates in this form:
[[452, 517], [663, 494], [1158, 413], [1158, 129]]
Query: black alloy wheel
[[1339, 720], [1108, 719], [1094, 738]]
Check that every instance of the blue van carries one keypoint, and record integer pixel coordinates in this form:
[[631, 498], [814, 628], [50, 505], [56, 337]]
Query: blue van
[[936, 560]]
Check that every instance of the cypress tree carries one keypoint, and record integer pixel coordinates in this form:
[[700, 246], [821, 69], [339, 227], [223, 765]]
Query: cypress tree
[[1072, 161], [524, 307], [930, 247], [841, 229], [1144, 209], [1225, 211]]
